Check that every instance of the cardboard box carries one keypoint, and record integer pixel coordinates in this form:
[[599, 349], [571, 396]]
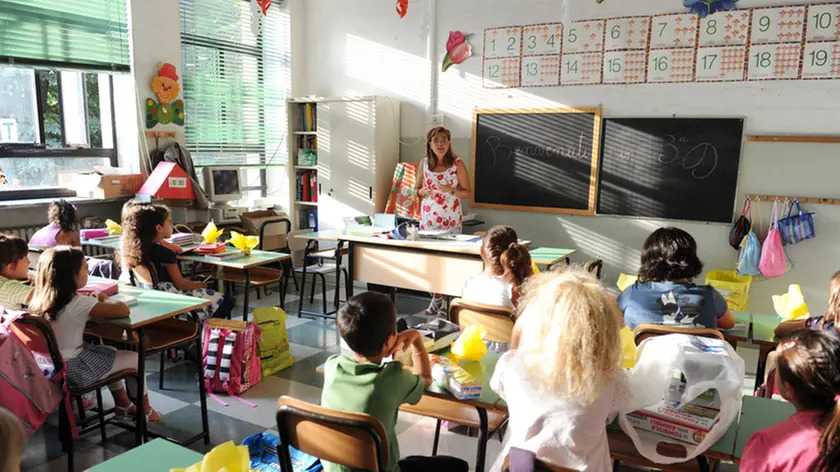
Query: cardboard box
[[275, 234], [690, 423], [101, 183]]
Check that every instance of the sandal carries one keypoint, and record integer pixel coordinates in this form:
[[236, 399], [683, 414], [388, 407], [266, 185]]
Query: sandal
[[123, 412], [435, 307]]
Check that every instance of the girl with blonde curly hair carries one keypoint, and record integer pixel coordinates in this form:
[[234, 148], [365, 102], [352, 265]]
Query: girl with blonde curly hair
[[562, 378]]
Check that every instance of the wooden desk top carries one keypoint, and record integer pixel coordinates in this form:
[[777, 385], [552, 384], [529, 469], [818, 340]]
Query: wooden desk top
[[255, 259], [757, 414], [159, 455]]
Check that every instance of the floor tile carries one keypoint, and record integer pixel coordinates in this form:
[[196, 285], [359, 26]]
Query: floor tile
[[317, 335], [265, 396], [179, 382], [418, 440], [305, 371], [301, 352]]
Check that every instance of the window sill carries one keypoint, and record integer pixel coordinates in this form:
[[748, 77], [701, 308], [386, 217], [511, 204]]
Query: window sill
[[42, 202]]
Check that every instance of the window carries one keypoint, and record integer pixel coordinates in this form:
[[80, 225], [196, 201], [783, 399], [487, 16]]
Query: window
[[235, 86]]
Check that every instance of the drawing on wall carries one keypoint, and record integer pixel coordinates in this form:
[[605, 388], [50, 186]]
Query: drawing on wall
[[402, 8], [707, 7], [458, 49], [169, 108]]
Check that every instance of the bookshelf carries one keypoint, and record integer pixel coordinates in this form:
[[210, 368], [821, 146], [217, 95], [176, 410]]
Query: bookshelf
[[342, 155]]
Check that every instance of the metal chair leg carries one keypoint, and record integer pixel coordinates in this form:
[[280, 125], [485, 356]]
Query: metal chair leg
[[312, 292], [437, 438], [323, 291], [162, 364], [100, 411], [80, 407]]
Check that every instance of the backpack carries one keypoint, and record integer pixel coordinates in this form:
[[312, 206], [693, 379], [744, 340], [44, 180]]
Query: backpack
[[229, 357], [25, 389], [742, 226], [273, 346], [262, 448]]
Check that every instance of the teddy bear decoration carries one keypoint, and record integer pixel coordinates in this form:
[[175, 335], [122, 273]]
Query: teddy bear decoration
[[169, 108]]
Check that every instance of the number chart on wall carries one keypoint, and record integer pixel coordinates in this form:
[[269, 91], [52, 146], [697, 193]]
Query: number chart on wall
[[677, 168], [752, 44]]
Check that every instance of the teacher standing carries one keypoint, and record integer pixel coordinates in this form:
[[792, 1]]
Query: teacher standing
[[442, 181]]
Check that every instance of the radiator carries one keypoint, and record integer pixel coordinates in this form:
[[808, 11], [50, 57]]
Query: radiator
[[26, 232]]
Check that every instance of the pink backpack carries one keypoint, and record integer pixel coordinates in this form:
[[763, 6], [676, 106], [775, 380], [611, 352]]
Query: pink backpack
[[24, 388], [230, 358]]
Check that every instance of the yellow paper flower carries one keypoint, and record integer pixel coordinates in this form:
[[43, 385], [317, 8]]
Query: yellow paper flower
[[211, 233], [113, 227], [243, 242]]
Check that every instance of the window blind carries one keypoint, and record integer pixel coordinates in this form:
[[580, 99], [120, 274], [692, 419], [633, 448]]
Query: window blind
[[235, 83], [65, 34]]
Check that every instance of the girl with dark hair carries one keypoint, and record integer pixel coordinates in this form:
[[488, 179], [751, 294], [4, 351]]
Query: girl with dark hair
[[808, 364], [665, 293], [829, 322], [506, 266], [62, 271]]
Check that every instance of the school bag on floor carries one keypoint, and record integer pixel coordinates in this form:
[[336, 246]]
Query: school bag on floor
[[230, 358], [273, 346], [262, 448]]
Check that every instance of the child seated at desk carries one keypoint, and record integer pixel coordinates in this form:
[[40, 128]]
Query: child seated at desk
[[62, 270], [562, 378], [363, 384], [506, 266], [828, 322], [14, 271], [153, 261], [665, 293], [808, 377], [61, 230]]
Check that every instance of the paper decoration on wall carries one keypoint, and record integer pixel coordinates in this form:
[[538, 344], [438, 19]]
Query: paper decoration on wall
[[402, 8], [458, 49], [707, 7], [259, 9], [168, 108]]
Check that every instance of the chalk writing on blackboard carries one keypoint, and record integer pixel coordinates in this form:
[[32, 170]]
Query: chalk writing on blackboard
[[499, 151], [691, 160]]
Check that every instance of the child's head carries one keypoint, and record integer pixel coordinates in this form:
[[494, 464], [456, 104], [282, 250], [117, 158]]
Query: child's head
[[669, 254], [14, 257], [368, 324], [808, 375], [63, 215], [12, 441], [142, 225], [61, 271], [503, 254], [570, 344], [833, 313]]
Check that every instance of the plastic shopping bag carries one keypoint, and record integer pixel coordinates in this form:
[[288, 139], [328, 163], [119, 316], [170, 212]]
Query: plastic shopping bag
[[773, 259], [470, 344], [734, 288], [791, 305], [628, 348], [705, 365]]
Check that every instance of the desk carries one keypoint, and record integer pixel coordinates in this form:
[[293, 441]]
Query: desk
[[757, 414], [738, 334], [548, 256], [764, 335], [159, 455], [155, 307]]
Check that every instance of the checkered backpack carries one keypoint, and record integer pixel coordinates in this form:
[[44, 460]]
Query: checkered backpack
[[230, 359]]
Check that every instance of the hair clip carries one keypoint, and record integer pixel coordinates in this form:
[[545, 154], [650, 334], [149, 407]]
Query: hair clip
[[837, 398], [785, 346]]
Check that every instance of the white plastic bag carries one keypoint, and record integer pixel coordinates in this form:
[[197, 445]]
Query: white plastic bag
[[706, 364]]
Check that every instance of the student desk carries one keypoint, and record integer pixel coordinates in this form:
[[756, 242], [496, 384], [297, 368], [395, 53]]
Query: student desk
[[155, 309], [159, 455], [548, 256], [764, 335], [739, 334], [757, 414]]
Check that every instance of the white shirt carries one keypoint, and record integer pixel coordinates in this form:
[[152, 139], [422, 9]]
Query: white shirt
[[560, 430], [69, 327], [488, 289]]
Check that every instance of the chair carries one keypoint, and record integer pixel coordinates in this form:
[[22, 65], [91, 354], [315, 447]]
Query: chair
[[644, 331], [594, 267], [319, 264], [353, 440], [498, 321]]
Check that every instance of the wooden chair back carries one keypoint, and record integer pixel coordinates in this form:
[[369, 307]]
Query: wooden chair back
[[497, 320], [644, 331], [354, 440], [276, 241]]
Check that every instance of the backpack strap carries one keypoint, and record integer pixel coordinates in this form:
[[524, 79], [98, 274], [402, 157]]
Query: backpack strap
[[212, 354], [227, 354]]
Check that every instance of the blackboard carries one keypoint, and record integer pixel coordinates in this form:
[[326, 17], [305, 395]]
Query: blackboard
[[538, 160], [673, 168]]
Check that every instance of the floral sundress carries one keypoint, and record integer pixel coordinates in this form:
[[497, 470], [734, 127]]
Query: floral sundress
[[439, 210]]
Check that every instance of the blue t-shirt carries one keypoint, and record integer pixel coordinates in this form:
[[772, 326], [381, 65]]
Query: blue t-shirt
[[689, 305]]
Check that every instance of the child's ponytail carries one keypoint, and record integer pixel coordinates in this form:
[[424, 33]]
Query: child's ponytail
[[830, 439], [516, 264]]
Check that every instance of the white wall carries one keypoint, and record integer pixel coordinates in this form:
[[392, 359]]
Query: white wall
[[363, 47]]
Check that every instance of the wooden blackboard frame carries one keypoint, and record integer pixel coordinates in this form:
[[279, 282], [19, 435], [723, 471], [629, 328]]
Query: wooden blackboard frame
[[593, 174]]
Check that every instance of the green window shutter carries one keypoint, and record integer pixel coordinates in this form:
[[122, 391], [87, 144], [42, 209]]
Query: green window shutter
[[62, 34], [235, 83]]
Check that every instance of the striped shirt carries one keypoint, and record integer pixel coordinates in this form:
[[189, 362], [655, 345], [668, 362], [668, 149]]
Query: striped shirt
[[14, 295]]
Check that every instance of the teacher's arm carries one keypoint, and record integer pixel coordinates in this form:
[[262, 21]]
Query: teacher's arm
[[420, 182], [463, 190]]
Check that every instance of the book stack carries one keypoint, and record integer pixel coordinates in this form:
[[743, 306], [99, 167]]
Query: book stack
[[181, 238], [210, 249], [108, 287], [453, 377], [689, 423]]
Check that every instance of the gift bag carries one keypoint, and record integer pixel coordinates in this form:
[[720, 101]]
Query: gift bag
[[798, 227], [741, 227], [403, 200], [773, 259], [698, 365], [735, 288]]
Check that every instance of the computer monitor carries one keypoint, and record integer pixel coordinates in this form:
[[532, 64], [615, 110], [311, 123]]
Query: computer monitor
[[222, 184]]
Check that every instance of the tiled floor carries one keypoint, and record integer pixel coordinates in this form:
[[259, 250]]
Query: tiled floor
[[312, 342]]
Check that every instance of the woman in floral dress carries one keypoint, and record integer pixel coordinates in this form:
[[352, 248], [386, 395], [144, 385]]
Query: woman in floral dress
[[441, 183]]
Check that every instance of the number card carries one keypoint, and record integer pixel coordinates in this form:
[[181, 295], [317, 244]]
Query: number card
[[823, 22], [721, 64], [725, 28], [625, 67], [821, 61], [774, 61], [777, 25], [541, 71], [538, 40], [502, 42], [584, 36], [671, 65], [501, 73], [674, 31], [627, 33], [581, 69]]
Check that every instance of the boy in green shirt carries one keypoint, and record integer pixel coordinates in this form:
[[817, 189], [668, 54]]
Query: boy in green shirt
[[14, 271], [363, 384]]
